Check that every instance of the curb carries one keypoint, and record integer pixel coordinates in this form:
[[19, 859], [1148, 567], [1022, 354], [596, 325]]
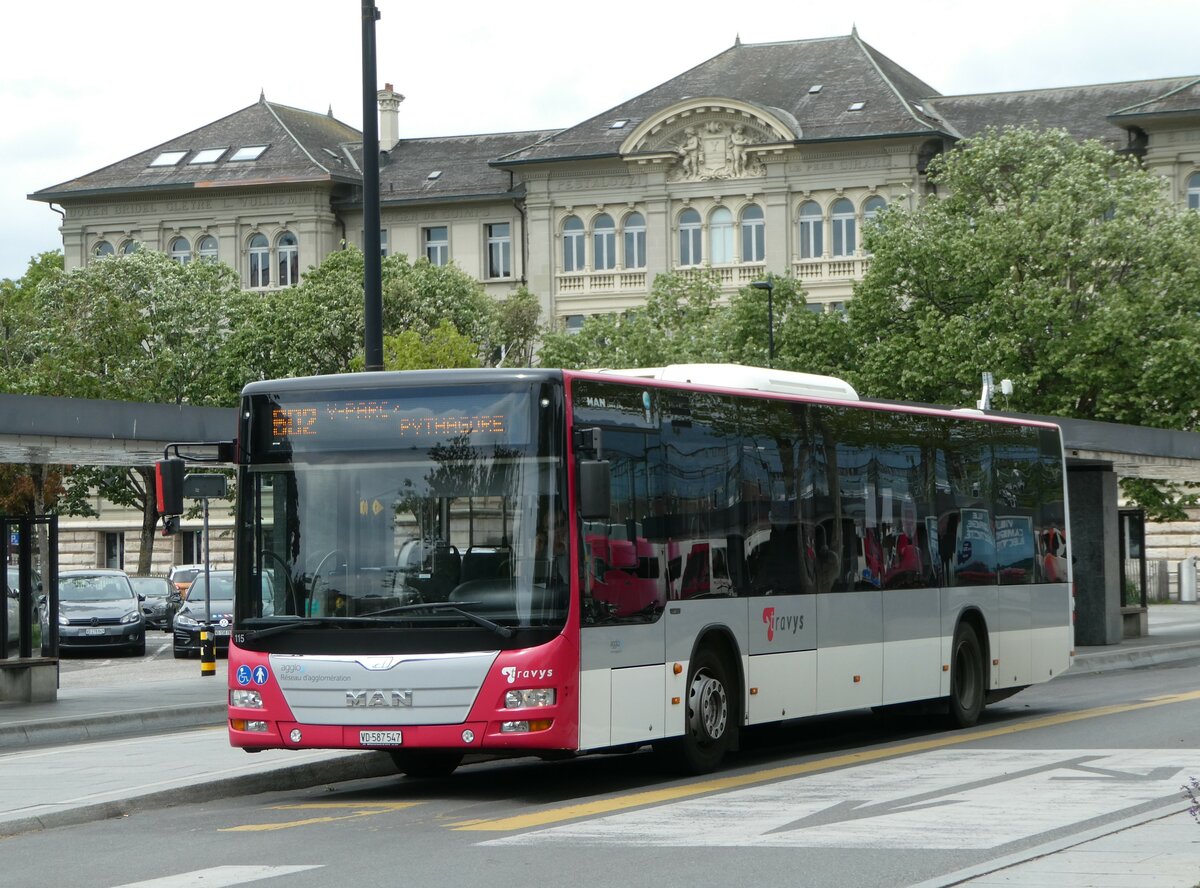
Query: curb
[[107, 726], [356, 766], [1131, 657]]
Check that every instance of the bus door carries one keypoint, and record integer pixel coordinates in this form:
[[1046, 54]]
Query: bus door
[[621, 638]]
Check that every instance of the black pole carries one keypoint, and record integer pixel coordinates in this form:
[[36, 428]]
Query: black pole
[[770, 323], [372, 268], [769, 286]]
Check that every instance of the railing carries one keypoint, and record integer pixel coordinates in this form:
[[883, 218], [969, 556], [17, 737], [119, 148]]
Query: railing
[[836, 268]]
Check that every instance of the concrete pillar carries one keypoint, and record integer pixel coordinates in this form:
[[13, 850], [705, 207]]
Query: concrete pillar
[[1094, 553]]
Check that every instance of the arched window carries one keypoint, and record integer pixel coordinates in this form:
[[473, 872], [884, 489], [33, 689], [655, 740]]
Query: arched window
[[635, 241], [1194, 191], [604, 243], [130, 246], [260, 261], [573, 244], [207, 248], [753, 234], [843, 228], [180, 250], [872, 208], [289, 260], [103, 249], [690, 252], [720, 232], [812, 231]]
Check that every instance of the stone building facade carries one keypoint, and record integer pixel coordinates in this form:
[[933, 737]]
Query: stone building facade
[[766, 158]]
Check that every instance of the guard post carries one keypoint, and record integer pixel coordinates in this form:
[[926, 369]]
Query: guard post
[[205, 487]]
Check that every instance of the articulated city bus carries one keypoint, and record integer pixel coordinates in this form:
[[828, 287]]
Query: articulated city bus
[[546, 562]]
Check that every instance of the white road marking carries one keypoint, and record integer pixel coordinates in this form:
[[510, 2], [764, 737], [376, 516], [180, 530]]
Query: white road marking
[[945, 799], [219, 877]]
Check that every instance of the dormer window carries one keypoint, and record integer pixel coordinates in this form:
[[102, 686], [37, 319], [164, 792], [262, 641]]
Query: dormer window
[[208, 155], [250, 152], [168, 158]]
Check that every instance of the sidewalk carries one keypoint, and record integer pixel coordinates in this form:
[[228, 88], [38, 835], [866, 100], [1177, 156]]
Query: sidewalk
[[105, 751]]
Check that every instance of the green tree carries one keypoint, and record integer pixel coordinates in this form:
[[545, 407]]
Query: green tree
[[517, 328], [1055, 263], [137, 327], [444, 346], [18, 318], [418, 296], [682, 321]]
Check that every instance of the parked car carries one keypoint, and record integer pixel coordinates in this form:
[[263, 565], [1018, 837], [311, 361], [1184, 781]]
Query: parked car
[[183, 574], [97, 608], [13, 599], [189, 620], [160, 599]]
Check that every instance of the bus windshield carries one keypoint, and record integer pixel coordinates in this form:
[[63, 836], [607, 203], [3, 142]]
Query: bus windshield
[[411, 510]]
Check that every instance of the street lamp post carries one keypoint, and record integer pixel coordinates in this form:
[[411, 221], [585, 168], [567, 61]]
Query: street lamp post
[[769, 286]]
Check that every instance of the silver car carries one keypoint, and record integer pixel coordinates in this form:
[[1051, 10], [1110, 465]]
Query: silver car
[[98, 609], [13, 600]]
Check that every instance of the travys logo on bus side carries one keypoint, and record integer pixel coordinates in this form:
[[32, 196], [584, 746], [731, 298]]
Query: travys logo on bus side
[[784, 623], [512, 673]]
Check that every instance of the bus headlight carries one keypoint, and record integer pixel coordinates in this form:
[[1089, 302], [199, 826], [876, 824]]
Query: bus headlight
[[530, 697], [245, 699]]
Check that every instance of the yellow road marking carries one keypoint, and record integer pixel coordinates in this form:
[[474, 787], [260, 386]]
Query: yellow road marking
[[720, 784], [362, 809]]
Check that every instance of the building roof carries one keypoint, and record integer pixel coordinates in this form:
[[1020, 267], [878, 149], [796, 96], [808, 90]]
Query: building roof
[[1083, 111], [807, 86], [300, 146], [447, 168], [1182, 100], [813, 82]]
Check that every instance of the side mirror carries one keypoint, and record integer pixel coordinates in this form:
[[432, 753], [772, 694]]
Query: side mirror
[[595, 491], [141, 597]]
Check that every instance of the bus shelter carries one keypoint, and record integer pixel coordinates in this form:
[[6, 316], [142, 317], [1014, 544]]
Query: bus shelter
[[29, 655]]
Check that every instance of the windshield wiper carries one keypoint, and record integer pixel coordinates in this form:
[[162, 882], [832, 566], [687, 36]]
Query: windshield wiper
[[308, 623], [455, 607]]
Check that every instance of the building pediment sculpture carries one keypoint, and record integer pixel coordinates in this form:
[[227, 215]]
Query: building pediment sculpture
[[715, 149]]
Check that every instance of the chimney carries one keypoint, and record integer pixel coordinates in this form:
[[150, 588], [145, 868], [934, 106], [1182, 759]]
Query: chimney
[[389, 117]]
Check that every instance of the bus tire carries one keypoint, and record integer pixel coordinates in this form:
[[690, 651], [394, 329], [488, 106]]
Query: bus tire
[[422, 764], [968, 690], [710, 713]]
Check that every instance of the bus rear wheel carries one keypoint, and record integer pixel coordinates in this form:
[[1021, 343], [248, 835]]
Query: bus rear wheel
[[710, 721], [426, 763], [967, 686]]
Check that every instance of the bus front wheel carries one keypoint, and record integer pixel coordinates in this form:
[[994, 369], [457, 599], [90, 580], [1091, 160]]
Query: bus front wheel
[[709, 725], [967, 685]]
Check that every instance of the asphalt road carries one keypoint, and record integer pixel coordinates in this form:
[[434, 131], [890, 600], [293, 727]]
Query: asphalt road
[[852, 800]]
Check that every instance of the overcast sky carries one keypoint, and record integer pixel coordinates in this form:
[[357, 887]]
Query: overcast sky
[[83, 84]]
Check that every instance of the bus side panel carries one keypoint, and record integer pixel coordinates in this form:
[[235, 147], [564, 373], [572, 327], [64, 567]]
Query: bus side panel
[[1053, 632], [781, 669], [621, 684], [912, 644], [955, 600], [850, 651], [785, 686], [686, 621], [1015, 626]]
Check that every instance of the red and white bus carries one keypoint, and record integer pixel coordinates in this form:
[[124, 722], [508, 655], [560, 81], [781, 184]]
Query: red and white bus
[[554, 562]]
